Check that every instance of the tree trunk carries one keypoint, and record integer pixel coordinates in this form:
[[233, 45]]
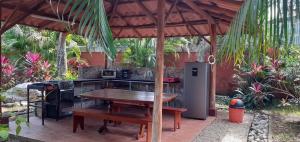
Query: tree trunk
[[61, 59]]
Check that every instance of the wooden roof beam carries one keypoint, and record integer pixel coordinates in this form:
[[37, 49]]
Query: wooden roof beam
[[45, 24], [199, 11], [170, 11], [192, 26], [219, 28], [9, 18], [147, 11], [215, 8], [198, 22], [21, 17], [35, 12], [230, 4], [223, 18], [187, 24], [114, 9], [128, 24]]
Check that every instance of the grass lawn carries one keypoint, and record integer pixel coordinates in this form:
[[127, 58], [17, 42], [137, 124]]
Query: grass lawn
[[292, 110], [285, 123]]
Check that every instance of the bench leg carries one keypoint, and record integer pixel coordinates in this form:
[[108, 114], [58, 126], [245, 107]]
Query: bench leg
[[103, 128], [149, 132], [141, 132], [82, 123], [177, 120], [76, 121]]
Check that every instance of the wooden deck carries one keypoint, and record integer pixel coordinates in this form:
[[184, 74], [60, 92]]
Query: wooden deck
[[61, 131]]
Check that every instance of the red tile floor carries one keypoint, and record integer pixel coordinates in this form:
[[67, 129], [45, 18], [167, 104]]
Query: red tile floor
[[61, 131]]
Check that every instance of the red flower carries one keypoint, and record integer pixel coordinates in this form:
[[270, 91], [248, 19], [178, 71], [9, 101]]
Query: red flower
[[256, 69], [33, 57], [4, 60], [275, 64], [8, 70], [29, 72], [46, 65], [256, 87]]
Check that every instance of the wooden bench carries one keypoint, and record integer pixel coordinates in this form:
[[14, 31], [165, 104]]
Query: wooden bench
[[80, 114], [177, 115], [116, 106]]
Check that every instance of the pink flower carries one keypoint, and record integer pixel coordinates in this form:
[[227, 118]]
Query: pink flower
[[4, 60], [275, 64], [46, 65], [29, 72], [256, 87], [256, 68], [33, 57], [8, 70]]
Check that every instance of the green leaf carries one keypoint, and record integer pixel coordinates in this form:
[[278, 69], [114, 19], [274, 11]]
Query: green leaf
[[92, 24], [18, 129], [259, 25]]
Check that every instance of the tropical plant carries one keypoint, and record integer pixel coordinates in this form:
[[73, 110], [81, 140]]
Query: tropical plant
[[258, 82], [7, 81], [79, 40], [20, 39], [256, 96], [291, 67], [259, 25], [36, 69], [140, 53], [74, 65], [71, 75], [8, 71]]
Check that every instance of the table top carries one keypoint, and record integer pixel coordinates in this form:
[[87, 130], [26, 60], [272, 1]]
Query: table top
[[126, 96]]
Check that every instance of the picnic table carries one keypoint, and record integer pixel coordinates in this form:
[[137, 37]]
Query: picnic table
[[145, 99], [141, 97], [127, 96]]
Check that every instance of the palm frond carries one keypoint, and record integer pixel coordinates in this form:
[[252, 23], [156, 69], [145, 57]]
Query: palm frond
[[259, 25], [89, 17]]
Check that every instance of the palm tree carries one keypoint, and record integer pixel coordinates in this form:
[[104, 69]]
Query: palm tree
[[259, 25]]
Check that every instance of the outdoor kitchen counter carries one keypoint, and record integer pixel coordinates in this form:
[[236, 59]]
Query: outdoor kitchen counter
[[82, 82], [119, 80]]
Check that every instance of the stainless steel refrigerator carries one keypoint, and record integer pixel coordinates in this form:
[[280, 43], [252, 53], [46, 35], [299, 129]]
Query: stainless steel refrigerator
[[196, 89]]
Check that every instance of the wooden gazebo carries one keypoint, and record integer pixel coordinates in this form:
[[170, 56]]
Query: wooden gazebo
[[138, 19]]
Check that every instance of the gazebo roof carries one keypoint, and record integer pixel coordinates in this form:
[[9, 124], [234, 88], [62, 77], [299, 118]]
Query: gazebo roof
[[129, 18]]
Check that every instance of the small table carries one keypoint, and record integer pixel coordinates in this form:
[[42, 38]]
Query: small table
[[138, 97]]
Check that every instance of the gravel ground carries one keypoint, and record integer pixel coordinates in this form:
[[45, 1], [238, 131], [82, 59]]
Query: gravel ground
[[221, 130]]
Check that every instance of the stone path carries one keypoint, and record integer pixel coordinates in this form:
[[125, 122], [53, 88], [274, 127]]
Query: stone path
[[259, 130], [221, 130]]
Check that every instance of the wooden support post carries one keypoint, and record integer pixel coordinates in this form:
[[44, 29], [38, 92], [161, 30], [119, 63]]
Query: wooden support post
[[212, 95], [0, 50], [159, 71], [0, 53]]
